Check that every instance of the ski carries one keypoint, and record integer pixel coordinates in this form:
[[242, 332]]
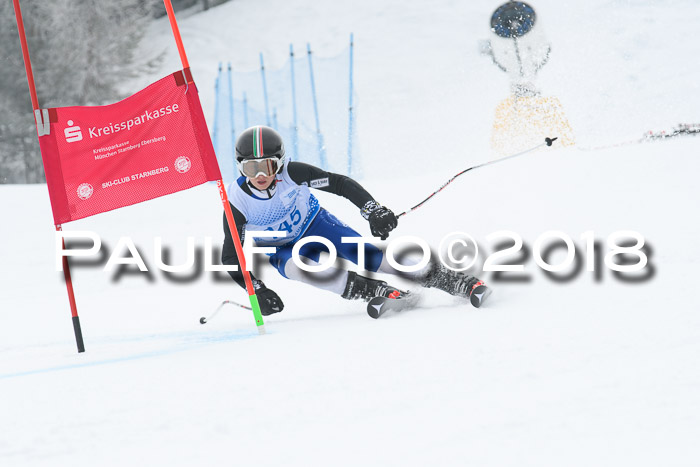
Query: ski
[[377, 306], [478, 295]]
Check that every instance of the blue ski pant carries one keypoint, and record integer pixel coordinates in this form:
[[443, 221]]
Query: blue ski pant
[[328, 226]]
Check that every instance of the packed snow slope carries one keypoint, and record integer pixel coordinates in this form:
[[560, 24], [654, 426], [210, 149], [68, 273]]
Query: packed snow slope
[[593, 370]]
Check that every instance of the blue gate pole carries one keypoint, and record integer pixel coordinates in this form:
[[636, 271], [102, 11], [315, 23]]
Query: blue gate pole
[[245, 110], [233, 123], [275, 125], [321, 150], [264, 84], [295, 130], [215, 131], [350, 109]]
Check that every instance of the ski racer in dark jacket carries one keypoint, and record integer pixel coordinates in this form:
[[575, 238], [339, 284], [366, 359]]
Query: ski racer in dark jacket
[[274, 195]]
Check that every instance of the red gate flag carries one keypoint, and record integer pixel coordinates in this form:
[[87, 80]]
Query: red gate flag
[[151, 144]]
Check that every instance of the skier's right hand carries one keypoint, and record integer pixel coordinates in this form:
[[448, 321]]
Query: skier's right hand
[[382, 221], [269, 301]]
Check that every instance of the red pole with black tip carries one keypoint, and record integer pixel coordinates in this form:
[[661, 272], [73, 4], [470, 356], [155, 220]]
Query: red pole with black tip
[[40, 121]]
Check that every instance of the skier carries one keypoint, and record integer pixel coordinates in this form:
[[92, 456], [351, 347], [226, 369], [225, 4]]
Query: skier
[[274, 195]]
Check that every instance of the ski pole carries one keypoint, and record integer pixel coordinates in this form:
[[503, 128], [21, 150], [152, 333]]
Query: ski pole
[[547, 141], [204, 319]]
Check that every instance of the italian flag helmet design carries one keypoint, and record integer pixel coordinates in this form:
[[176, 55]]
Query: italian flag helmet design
[[259, 142]]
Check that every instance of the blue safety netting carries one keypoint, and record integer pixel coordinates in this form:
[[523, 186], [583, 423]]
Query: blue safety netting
[[307, 100]]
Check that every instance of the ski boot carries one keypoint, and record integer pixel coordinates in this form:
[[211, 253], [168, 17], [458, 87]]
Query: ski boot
[[363, 288], [457, 284]]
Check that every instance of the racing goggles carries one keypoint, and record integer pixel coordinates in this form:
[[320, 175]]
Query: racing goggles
[[251, 168]]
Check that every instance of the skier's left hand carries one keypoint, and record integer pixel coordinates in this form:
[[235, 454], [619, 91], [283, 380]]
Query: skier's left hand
[[382, 221], [268, 300]]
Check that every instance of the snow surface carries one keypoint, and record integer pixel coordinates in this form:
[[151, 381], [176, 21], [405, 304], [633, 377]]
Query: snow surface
[[585, 372]]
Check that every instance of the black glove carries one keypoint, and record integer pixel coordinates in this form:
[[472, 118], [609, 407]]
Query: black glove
[[381, 219], [269, 301]]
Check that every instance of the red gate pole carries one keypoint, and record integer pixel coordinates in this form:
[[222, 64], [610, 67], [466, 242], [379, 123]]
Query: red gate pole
[[37, 116], [176, 33], [222, 191], [25, 53], [71, 299]]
